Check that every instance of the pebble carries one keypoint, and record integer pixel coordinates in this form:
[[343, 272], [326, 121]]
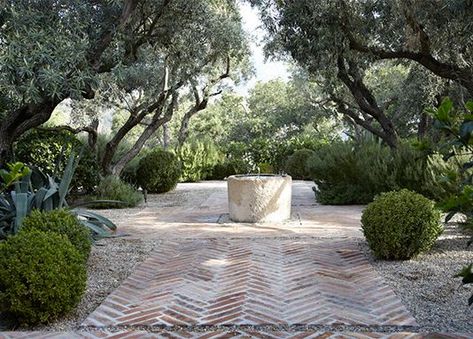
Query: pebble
[[427, 286]]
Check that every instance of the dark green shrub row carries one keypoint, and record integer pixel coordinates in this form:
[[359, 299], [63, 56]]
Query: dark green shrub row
[[42, 268], [400, 225], [347, 173]]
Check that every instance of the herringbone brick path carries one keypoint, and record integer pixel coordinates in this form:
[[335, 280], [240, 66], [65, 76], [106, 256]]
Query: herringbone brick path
[[225, 334], [253, 282]]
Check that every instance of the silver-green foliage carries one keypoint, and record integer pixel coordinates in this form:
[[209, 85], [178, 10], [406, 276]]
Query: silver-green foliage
[[349, 173], [46, 193]]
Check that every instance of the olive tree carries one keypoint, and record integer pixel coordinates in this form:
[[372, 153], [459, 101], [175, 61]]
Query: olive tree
[[339, 41], [52, 50], [207, 47]]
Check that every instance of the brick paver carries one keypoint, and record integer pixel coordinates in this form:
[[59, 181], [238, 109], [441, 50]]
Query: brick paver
[[253, 282], [221, 334]]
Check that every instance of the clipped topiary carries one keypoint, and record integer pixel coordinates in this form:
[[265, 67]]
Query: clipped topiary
[[296, 164], [159, 171], [62, 222], [400, 225], [42, 276], [113, 188]]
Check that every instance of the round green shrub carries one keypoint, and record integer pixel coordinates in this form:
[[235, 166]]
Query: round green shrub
[[296, 164], [159, 171], [42, 276], [400, 225], [62, 222], [112, 188]]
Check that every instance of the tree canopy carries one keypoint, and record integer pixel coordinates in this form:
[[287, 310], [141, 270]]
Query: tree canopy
[[55, 50], [340, 41]]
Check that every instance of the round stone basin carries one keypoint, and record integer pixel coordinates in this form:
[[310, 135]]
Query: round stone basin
[[259, 198]]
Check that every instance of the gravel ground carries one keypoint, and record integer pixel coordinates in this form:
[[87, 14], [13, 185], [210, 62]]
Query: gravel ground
[[427, 285]]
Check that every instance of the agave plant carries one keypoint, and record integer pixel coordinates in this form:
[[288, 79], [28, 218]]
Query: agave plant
[[35, 190]]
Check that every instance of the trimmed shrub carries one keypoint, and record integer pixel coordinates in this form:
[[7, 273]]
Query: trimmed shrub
[[62, 222], [112, 188], [42, 276], [159, 171], [296, 165], [48, 145], [400, 225]]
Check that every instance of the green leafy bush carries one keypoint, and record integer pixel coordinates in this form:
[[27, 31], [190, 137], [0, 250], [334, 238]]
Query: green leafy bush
[[48, 145], [159, 171], [343, 172], [221, 171], [400, 225], [198, 158], [62, 222], [42, 276], [296, 165], [113, 188], [348, 173]]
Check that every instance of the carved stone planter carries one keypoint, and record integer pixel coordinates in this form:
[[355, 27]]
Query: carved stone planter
[[259, 198]]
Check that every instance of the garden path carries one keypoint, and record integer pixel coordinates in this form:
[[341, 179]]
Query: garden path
[[211, 278]]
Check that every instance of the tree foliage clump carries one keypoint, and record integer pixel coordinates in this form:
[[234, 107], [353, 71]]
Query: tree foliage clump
[[400, 225], [139, 55], [342, 44]]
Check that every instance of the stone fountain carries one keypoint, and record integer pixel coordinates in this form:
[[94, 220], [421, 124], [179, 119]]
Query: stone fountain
[[259, 198]]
